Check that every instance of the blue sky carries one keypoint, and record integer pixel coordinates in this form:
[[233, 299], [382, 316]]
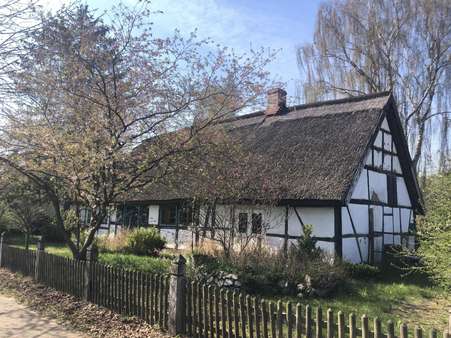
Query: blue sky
[[280, 25]]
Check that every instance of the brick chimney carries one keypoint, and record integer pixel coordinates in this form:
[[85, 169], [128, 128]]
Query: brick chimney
[[277, 102]]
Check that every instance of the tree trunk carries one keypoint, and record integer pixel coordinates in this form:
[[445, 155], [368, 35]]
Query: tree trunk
[[60, 224], [419, 144]]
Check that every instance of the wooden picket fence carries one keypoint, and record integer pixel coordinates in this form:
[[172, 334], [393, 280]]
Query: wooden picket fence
[[219, 313], [193, 309], [130, 293], [19, 260]]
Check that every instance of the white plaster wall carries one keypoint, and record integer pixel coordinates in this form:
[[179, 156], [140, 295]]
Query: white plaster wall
[[406, 219], [169, 235], [396, 165], [403, 195], [378, 140], [327, 247], [322, 220], [359, 214], [273, 217], [377, 158], [361, 187], [387, 141], [154, 212], [384, 124], [387, 162], [378, 185], [378, 216], [351, 251]]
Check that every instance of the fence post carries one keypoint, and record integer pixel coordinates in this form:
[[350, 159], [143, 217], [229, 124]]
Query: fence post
[[177, 282], [2, 237], [39, 252], [91, 257]]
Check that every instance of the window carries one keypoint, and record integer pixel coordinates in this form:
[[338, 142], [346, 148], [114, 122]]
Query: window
[[185, 215], [392, 195], [168, 214], [242, 222], [85, 216], [133, 215], [257, 223]]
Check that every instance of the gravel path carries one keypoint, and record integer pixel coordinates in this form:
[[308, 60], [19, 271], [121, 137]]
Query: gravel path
[[16, 320]]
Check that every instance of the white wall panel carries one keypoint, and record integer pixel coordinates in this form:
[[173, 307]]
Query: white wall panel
[[387, 162], [384, 124], [185, 239], [274, 242], [322, 220], [378, 216], [378, 140], [154, 211], [403, 195], [359, 214], [350, 250], [396, 165], [388, 239], [377, 158], [378, 186], [394, 148], [405, 219], [327, 247], [369, 158], [387, 141], [361, 187], [396, 220], [169, 235], [346, 226]]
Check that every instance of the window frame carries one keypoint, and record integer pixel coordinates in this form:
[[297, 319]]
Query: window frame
[[243, 222], [256, 223]]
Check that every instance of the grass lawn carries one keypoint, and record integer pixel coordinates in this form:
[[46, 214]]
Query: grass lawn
[[127, 261], [399, 301], [393, 298]]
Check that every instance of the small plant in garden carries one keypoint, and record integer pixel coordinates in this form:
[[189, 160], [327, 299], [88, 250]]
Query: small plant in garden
[[139, 241], [145, 241], [113, 243], [362, 271]]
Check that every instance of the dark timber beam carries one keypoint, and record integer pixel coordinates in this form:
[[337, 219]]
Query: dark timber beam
[[338, 232]]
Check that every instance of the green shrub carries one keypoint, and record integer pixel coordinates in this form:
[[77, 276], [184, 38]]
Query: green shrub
[[139, 241], [262, 271], [139, 263], [144, 241], [51, 233], [362, 271]]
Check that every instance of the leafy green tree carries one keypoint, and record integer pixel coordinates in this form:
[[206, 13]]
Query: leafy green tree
[[434, 230]]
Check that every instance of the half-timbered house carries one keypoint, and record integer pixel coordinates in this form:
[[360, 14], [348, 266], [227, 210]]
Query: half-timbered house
[[349, 172]]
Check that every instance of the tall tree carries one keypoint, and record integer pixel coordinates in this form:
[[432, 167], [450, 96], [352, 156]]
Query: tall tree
[[17, 19], [363, 46], [90, 90]]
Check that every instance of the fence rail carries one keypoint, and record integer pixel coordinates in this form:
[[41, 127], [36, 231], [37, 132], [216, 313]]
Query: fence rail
[[193, 309], [130, 293], [215, 312]]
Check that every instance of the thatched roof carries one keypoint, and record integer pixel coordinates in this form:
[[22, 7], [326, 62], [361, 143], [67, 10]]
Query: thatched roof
[[317, 149]]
